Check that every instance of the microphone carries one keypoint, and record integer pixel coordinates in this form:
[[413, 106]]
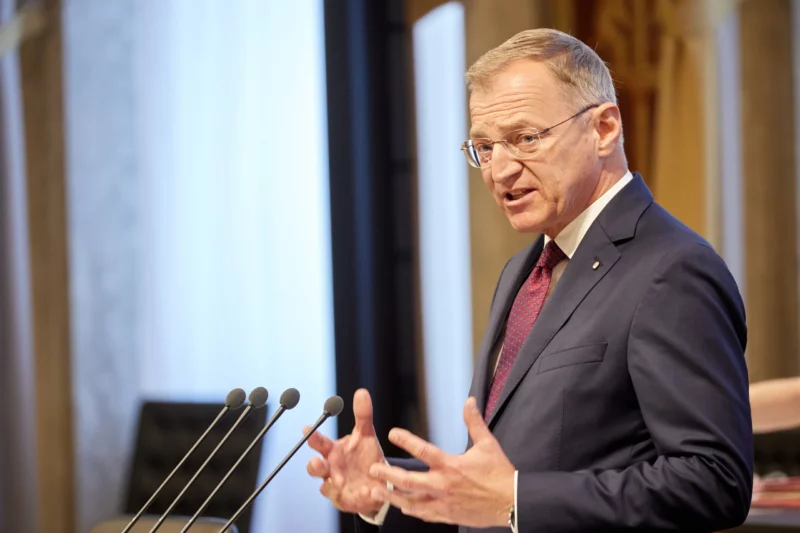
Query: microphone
[[289, 400], [258, 397], [333, 406], [233, 401]]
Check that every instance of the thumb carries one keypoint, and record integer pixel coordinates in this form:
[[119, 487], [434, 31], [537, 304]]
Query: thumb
[[478, 430], [362, 409]]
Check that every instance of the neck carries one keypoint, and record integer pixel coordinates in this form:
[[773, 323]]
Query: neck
[[613, 171]]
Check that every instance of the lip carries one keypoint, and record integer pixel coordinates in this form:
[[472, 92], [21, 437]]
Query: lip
[[522, 200]]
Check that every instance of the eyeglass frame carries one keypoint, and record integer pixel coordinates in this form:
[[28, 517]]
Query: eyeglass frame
[[468, 143]]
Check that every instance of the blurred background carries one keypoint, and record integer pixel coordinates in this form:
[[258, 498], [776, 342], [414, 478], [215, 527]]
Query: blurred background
[[197, 195]]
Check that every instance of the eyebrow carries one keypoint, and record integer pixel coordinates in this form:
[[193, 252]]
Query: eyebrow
[[512, 125]]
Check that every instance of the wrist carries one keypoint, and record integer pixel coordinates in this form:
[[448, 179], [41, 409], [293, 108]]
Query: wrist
[[512, 519], [371, 513], [378, 518], [506, 500], [513, 514], [374, 507]]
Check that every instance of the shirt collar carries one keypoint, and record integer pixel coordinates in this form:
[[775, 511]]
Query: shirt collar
[[572, 235]]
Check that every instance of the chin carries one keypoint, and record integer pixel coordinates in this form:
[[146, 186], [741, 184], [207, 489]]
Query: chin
[[525, 223]]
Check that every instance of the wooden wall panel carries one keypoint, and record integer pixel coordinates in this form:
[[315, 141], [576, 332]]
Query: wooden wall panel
[[769, 176], [40, 69]]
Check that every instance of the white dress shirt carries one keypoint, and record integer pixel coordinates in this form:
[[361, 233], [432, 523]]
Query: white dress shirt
[[568, 240]]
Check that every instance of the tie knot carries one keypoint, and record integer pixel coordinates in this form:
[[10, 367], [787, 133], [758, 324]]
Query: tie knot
[[551, 256]]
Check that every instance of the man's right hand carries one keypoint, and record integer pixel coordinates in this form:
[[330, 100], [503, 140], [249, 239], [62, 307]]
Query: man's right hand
[[345, 463]]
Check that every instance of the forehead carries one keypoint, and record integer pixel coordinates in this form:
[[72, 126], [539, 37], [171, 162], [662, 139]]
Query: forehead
[[524, 94]]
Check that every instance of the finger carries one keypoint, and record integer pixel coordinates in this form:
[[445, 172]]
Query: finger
[[409, 505], [327, 490], [318, 467], [362, 409], [319, 442], [419, 448], [365, 495], [477, 428], [427, 483]]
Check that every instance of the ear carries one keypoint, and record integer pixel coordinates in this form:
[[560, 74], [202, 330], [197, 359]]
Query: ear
[[608, 129]]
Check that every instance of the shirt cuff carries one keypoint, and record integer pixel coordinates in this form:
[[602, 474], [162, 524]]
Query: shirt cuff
[[515, 525], [380, 518]]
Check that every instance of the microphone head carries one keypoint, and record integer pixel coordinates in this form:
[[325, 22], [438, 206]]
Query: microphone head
[[290, 398], [258, 397], [334, 405], [235, 399]]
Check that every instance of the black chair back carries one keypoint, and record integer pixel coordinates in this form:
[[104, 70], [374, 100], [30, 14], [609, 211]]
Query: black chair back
[[777, 452], [166, 432]]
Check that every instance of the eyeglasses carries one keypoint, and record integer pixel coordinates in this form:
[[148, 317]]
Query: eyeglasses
[[520, 144]]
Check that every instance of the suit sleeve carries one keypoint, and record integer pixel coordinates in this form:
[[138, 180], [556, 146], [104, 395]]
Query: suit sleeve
[[397, 522], [686, 362]]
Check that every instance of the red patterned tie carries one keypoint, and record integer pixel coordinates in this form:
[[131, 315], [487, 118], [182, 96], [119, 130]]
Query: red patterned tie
[[524, 312]]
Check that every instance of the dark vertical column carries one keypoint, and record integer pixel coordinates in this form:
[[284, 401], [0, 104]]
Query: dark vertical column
[[371, 169]]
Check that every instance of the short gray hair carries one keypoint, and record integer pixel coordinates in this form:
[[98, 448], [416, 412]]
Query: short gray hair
[[574, 64]]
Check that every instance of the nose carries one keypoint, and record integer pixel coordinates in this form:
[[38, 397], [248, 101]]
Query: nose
[[504, 167]]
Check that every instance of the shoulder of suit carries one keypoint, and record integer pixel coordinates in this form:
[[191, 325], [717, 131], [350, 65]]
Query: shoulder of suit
[[662, 243], [659, 226]]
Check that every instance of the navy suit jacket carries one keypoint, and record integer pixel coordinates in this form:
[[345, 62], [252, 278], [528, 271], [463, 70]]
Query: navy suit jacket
[[627, 407]]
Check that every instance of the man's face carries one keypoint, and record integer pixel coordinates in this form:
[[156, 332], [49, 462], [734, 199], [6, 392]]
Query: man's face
[[545, 193]]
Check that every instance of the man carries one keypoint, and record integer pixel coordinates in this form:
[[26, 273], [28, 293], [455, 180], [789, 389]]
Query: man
[[611, 390]]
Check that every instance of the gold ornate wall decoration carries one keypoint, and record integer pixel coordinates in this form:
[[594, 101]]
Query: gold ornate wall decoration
[[629, 36], [655, 50]]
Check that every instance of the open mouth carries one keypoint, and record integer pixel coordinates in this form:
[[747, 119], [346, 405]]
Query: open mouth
[[516, 194]]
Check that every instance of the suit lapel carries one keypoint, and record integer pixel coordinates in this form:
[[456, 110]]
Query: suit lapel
[[595, 257], [506, 292], [577, 280]]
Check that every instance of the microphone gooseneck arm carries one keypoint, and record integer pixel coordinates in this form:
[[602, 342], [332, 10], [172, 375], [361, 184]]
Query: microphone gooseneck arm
[[194, 477], [149, 502], [278, 468], [255, 441]]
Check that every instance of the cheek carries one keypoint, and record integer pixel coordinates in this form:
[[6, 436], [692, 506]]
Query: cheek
[[548, 179], [487, 179]]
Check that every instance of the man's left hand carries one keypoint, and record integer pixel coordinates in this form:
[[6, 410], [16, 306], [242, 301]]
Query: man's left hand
[[474, 489]]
